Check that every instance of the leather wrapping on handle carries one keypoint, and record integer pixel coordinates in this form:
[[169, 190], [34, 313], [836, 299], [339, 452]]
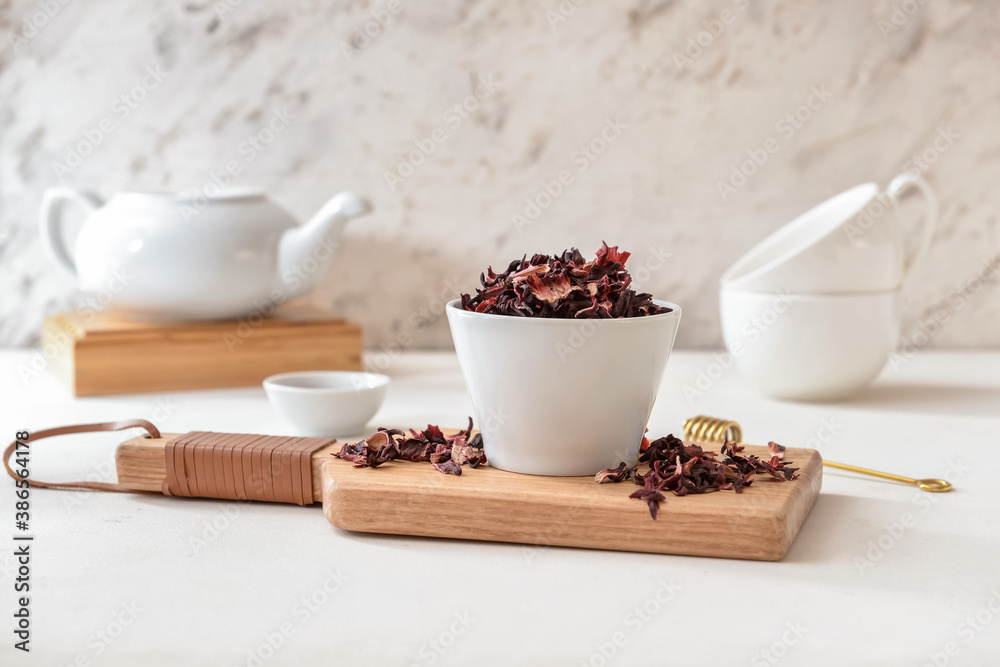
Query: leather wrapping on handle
[[240, 466]]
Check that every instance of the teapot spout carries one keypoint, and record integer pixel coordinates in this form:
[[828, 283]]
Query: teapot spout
[[305, 253]]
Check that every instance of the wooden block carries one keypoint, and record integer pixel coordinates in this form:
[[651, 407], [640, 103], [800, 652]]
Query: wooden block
[[488, 504], [96, 354]]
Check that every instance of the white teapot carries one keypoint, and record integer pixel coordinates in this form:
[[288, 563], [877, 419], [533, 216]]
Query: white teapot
[[183, 256]]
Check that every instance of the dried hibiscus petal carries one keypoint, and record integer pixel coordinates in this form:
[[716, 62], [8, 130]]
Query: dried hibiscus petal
[[651, 496], [449, 466], [563, 286], [618, 474]]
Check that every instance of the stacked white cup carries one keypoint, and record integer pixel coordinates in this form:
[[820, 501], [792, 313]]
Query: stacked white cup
[[811, 312]]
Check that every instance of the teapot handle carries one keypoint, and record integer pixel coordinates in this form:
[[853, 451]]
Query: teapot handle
[[50, 222], [897, 188]]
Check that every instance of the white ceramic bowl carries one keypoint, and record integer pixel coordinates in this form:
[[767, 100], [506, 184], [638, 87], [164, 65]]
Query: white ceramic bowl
[[850, 243], [562, 397], [809, 347], [326, 403]]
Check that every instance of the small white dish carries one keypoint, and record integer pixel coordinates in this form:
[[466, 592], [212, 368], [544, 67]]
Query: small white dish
[[810, 347], [562, 397], [326, 403]]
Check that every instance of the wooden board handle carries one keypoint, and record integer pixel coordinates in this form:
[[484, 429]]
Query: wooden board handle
[[142, 467]]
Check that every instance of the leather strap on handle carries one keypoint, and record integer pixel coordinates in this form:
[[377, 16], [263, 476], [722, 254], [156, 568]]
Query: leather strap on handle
[[241, 466], [80, 428]]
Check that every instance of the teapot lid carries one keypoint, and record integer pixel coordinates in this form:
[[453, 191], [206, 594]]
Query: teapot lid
[[228, 194]]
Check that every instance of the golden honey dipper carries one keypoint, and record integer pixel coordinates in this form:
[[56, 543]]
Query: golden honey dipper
[[719, 431]]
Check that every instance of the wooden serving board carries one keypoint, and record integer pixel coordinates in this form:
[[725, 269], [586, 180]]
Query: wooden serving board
[[489, 504], [406, 498], [101, 353]]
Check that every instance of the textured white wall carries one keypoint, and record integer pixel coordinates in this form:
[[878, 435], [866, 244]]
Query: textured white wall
[[898, 74]]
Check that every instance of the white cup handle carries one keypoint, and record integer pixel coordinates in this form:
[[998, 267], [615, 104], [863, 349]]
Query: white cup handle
[[50, 222], [897, 189]]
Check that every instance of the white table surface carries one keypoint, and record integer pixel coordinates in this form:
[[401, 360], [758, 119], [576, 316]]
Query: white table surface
[[154, 577]]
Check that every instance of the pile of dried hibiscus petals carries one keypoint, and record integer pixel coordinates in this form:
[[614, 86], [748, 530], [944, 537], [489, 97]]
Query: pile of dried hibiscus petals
[[447, 453], [673, 465], [682, 469], [563, 286]]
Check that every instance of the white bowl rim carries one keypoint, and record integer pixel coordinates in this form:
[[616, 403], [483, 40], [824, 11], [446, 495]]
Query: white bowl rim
[[732, 274], [275, 382], [725, 289], [454, 306]]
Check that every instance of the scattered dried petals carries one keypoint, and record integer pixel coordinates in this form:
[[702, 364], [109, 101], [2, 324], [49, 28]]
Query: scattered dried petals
[[673, 465], [682, 469], [446, 453]]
